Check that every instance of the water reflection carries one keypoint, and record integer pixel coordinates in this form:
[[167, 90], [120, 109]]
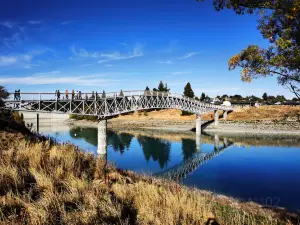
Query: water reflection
[[256, 167], [157, 149]]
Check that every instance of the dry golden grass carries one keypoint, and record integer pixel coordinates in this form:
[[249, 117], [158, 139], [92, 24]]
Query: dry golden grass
[[45, 183], [247, 114]]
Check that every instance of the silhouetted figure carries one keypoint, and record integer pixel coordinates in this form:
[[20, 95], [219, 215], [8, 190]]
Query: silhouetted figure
[[58, 94], [15, 95], [73, 93], [67, 94], [93, 95], [97, 96], [79, 94], [19, 95]]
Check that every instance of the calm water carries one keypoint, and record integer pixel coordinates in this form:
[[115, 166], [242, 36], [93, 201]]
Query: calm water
[[261, 169]]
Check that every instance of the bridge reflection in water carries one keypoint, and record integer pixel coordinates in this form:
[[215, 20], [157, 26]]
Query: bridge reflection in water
[[157, 149]]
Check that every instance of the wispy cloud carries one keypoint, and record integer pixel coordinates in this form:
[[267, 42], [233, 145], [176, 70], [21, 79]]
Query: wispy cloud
[[181, 72], [55, 77], [137, 52], [7, 60], [164, 62], [20, 60], [8, 24], [108, 65], [106, 57], [65, 23], [34, 22], [188, 55], [171, 46]]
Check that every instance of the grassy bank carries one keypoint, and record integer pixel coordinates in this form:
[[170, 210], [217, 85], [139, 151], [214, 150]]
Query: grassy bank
[[42, 182]]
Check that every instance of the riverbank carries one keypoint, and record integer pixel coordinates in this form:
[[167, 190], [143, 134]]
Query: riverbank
[[268, 120], [43, 182]]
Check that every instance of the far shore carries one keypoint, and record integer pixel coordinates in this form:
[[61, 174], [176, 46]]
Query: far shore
[[291, 128]]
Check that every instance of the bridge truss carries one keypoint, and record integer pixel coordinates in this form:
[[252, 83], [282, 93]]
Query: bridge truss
[[110, 105]]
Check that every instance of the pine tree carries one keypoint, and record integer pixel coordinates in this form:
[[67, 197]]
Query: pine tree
[[202, 98], [103, 94], [265, 96], [121, 93], [161, 86], [188, 91]]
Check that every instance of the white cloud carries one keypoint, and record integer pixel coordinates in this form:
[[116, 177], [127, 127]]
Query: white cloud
[[20, 60], [8, 24], [108, 65], [52, 78], [65, 23], [34, 22], [164, 62], [7, 60], [188, 55], [183, 72], [106, 57]]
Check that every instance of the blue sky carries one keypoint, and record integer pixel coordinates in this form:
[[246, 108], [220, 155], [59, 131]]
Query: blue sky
[[113, 45]]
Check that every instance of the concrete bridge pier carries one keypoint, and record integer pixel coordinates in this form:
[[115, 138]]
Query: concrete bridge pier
[[198, 125], [216, 142], [198, 142], [216, 112], [102, 144], [226, 142]]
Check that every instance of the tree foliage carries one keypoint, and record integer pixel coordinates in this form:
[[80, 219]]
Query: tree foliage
[[3, 95], [279, 22], [162, 87], [202, 98], [188, 91]]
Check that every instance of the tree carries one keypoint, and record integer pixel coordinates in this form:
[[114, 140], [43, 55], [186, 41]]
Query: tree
[[121, 93], [188, 91], [103, 94], [147, 91], [3, 95], [202, 98], [161, 86], [279, 23], [265, 96]]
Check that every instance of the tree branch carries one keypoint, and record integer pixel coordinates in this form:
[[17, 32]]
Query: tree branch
[[284, 75]]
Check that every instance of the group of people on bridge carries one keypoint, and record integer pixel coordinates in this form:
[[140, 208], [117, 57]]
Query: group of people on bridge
[[17, 95], [77, 95]]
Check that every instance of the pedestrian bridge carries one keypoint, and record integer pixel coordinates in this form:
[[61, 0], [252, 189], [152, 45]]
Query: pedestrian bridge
[[108, 105]]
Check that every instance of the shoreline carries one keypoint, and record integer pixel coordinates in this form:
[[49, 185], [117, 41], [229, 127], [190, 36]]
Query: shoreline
[[290, 128]]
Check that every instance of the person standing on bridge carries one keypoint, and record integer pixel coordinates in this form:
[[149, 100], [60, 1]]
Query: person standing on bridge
[[15, 95], [73, 93], [19, 95], [79, 94], [67, 94], [58, 94]]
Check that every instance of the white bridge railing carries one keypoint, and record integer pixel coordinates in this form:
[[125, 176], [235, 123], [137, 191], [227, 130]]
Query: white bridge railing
[[111, 103]]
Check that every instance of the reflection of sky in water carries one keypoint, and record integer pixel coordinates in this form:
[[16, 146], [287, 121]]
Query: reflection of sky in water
[[268, 173]]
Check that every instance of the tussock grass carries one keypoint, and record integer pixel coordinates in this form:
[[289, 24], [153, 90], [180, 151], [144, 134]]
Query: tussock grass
[[45, 183]]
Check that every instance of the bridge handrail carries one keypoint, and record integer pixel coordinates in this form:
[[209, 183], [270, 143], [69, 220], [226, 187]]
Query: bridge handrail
[[125, 93]]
